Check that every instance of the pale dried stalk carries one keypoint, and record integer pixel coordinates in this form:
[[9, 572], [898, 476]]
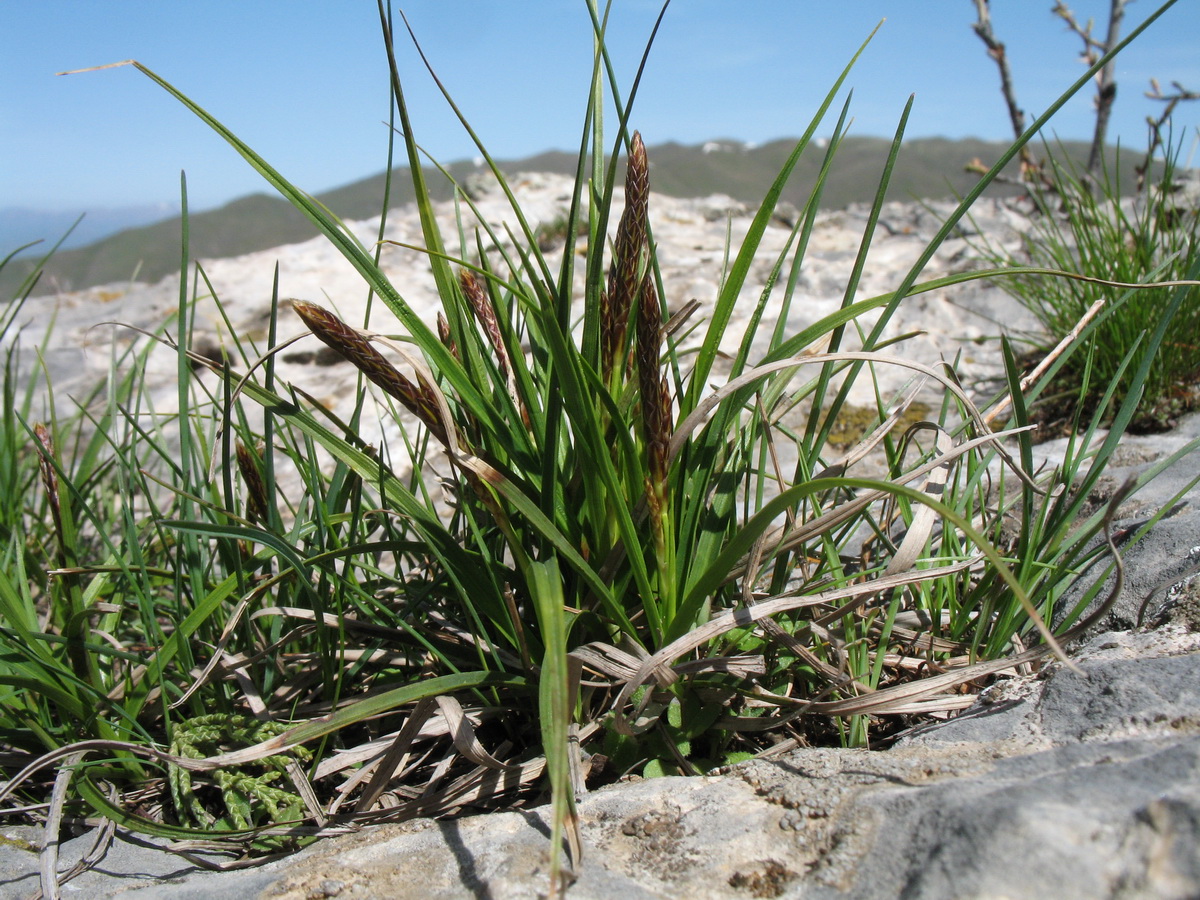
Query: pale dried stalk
[[48, 858], [393, 758], [1054, 354]]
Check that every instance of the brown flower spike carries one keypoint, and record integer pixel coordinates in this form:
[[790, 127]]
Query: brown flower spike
[[50, 479], [351, 345], [655, 394], [481, 305], [616, 300], [256, 489], [443, 330]]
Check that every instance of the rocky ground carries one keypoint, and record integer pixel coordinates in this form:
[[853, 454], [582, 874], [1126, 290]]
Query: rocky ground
[[691, 236], [1056, 783]]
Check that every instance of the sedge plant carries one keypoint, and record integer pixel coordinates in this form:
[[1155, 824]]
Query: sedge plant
[[635, 560], [1086, 224]]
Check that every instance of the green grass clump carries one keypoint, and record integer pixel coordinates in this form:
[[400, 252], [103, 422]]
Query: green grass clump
[[1089, 226], [630, 565]]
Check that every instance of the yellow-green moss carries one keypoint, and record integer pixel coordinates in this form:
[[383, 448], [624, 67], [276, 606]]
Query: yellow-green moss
[[18, 844], [855, 422]]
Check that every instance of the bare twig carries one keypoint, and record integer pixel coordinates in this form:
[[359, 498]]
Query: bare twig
[[1180, 95], [1106, 80], [1016, 115]]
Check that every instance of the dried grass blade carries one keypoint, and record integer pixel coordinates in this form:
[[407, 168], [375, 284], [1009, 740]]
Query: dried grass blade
[[924, 517], [104, 835], [746, 616], [738, 666], [868, 443], [702, 410], [781, 540], [48, 857], [887, 700], [462, 733], [250, 693], [608, 660], [362, 755], [481, 786], [357, 711], [393, 758], [305, 790], [215, 660]]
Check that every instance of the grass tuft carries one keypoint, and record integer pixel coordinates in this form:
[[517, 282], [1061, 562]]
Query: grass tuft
[[585, 553], [1083, 224]]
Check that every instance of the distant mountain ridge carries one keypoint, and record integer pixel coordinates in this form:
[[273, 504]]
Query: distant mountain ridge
[[21, 225], [927, 168]]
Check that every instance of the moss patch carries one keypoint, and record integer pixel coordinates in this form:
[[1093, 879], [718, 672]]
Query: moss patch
[[855, 422]]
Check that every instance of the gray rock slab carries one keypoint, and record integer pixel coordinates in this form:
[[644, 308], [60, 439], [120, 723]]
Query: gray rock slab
[[130, 861], [1125, 688]]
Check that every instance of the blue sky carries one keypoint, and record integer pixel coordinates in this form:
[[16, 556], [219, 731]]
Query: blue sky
[[305, 83]]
